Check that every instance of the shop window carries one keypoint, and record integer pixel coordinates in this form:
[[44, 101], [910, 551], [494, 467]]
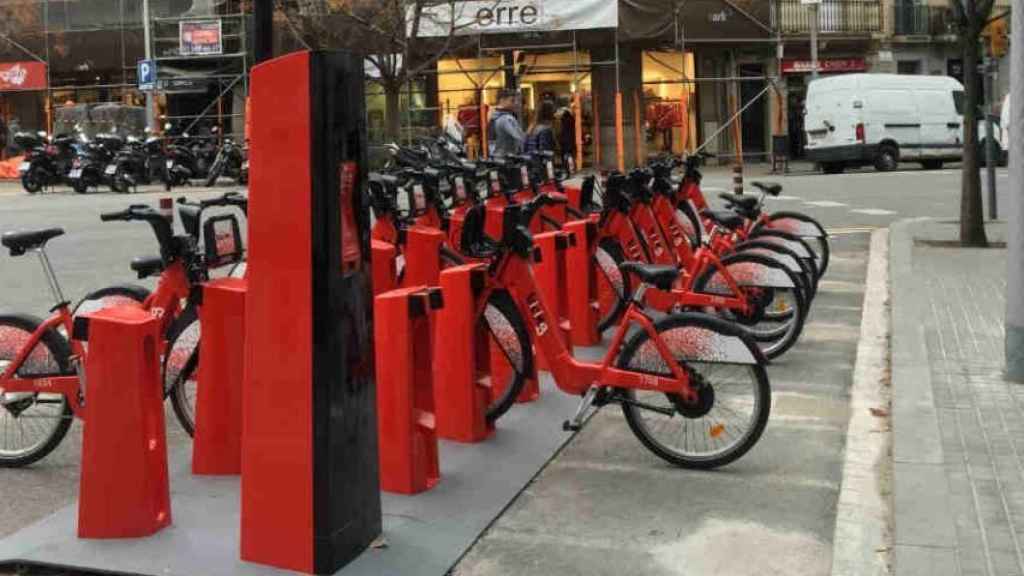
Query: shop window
[[669, 111], [908, 67]]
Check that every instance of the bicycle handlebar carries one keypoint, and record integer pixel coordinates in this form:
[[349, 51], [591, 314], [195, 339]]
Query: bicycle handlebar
[[158, 222]]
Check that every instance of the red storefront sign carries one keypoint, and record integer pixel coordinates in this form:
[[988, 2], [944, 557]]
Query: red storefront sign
[[827, 66], [22, 76]]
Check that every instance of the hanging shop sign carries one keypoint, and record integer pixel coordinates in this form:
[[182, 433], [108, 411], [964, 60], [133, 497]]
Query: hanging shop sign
[[17, 76], [199, 37], [491, 17], [827, 66]]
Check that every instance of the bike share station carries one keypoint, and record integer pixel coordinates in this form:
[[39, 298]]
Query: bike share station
[[317, 434]]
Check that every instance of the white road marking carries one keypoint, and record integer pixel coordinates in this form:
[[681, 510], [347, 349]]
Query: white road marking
[[713, 189], [873, 211], [825, 204], [785, 198], [851, 230]]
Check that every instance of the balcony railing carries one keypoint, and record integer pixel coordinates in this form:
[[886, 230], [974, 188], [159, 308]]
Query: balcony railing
[[918, 20], [834, 17]]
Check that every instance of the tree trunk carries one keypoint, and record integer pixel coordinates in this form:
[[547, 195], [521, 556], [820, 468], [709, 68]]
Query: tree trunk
[[972, 220], [392, 112]]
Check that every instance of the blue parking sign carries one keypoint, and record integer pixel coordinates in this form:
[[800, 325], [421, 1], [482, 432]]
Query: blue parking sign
[[147, 75]]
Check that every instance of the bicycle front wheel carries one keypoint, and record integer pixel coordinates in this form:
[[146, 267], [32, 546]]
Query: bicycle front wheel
[[734, 397], [613, 287], [506, 334], [181, 368], [31, 424]]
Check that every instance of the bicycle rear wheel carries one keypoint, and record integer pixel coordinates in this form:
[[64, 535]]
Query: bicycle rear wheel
[[734, 397], [778, 306], [505, 330], [32, 424]]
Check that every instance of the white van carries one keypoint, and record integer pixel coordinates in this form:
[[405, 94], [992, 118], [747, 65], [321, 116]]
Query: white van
[[883, 119]]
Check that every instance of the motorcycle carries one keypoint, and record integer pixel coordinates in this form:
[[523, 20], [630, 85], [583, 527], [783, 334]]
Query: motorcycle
[[47, 160], [229, 162]]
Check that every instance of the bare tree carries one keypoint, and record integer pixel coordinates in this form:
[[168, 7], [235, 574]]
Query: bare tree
[[970, 18], [387, 32]]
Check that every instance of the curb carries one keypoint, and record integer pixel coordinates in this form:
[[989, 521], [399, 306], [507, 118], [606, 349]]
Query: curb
[[924, 536], [863, 533]]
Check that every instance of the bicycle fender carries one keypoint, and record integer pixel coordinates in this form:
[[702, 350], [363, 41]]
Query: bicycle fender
[[703, 338], [799, 248], [794, 225], [784, 259], [749, 271]]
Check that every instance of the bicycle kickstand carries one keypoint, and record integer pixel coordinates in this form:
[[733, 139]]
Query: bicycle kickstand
[[582, 411]]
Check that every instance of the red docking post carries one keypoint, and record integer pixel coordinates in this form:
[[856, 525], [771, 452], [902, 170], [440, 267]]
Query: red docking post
[[461, 391], [422, 256], [382, 260], [403, 331], [582, 286], [123, 490], [217, 448]]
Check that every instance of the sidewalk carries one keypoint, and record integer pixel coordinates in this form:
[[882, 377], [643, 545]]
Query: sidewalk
[[958, 442]]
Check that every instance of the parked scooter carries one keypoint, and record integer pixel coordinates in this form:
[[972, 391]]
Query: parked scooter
[[187, 158], [138, 162], [91, 160], [47, 160]]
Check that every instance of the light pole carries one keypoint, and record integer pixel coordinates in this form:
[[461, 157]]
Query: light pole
[[1015, 217], [815, 23], [150, 120]]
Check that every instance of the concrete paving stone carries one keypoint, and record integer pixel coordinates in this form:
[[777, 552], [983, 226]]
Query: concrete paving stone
[[511, 552], [921, 505], [1006, 562], [924, 561]]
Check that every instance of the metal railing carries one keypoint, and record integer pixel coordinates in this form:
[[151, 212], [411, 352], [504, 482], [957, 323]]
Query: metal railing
[[834, 17]]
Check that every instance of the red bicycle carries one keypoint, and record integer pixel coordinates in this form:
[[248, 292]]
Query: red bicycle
[[41, 383], [692, 387]]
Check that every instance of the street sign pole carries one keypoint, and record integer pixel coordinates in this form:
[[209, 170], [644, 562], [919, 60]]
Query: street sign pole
[[1015, 218], [150, 114]]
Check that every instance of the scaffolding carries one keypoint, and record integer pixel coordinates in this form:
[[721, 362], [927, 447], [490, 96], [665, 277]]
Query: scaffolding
[[216, 76], [69, 36]]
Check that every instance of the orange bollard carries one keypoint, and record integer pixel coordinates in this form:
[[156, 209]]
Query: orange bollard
[[123, 490], [403, 332], [461, 390], [217, 448], [579, 265]]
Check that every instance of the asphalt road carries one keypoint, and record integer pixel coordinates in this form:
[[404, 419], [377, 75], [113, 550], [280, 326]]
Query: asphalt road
[[804, 443]]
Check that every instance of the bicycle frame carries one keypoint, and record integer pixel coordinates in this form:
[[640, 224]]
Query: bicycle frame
[[572, 376], [68, 385]]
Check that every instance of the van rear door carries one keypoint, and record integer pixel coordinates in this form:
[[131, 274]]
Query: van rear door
[[830, 120]]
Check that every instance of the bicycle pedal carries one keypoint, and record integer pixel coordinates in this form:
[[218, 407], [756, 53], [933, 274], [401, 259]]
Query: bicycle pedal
[[568, 426]]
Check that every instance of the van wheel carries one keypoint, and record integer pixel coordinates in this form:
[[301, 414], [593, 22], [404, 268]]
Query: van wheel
[[888, 158], [931, 164], [832, 167]]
